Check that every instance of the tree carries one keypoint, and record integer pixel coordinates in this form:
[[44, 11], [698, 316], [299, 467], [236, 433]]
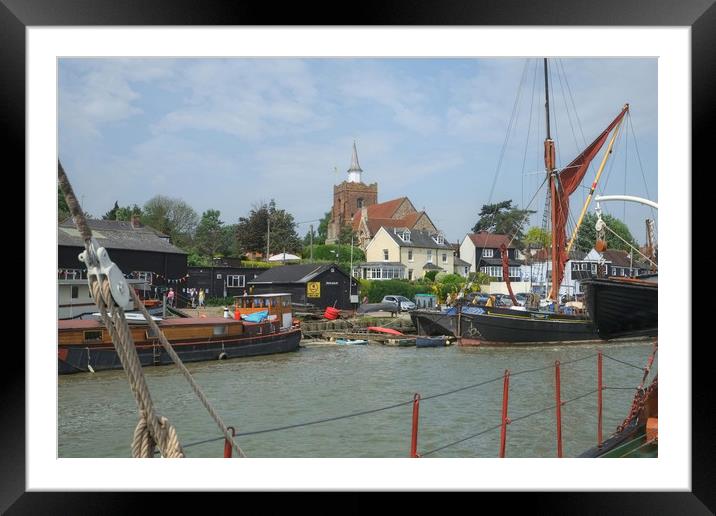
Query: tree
[[173, 217], [208, 239], [346, 235], [122, 212], [587, 235], [538, 238], [323, 229], [335, 253], [111, 214], [251, 231], [63, 211], [126, 213], [502, 218]]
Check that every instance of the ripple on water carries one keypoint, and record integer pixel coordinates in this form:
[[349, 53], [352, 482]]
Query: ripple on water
[[97, 413]]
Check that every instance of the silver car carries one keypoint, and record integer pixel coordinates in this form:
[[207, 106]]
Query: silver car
[[403, 302]]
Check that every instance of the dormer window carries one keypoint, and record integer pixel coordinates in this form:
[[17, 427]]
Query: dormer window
[[439, 238], [405, 236]]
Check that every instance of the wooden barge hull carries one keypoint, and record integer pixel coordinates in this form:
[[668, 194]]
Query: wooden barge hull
[[253, 340]]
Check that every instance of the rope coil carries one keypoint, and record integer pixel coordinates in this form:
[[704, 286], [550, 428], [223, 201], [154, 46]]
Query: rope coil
[[152, 431]]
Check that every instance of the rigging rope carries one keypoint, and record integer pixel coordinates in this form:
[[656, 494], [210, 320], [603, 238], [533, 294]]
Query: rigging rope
[[631, 246], [152, 431]]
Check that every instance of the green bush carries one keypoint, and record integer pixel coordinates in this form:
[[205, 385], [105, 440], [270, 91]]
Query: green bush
[[219, 301]]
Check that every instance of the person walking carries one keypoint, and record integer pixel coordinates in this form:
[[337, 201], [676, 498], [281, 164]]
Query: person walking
[[170, 297], [201, 297]]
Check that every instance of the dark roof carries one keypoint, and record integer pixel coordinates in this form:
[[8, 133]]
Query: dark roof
[[117, 234], [498, 262], [418, 238], [460, 261], [620, 258], [431, 267], [300, 273]]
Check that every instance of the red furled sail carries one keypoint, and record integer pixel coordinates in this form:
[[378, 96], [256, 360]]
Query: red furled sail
[[506, 272], [562, 185]]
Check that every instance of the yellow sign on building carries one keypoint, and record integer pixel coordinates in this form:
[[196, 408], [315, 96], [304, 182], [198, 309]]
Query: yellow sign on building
[[313, 289]]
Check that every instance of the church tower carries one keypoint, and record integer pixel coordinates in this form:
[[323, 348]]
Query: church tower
[[349, 197]]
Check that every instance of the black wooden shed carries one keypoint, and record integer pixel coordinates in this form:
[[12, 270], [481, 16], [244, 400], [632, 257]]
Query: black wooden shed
[[317, 284]]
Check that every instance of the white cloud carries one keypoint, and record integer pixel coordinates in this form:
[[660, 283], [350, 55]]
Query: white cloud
[[407, 99]]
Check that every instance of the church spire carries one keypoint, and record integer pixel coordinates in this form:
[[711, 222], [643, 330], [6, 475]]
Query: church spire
[[355, 171]]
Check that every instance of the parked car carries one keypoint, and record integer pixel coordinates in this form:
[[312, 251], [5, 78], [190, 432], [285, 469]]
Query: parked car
[[476, 298], [521, 298], [402, 302], [502, 300]]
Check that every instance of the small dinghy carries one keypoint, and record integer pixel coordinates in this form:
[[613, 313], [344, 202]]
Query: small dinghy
[[430, 342], [344, 342]]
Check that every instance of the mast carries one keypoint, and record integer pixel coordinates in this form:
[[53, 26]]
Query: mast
[[549, 163]]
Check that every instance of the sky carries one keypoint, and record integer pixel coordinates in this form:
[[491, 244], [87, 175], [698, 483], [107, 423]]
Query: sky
[[450, 134]]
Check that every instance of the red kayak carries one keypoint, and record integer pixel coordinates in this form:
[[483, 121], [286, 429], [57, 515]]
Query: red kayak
[[384, 330]]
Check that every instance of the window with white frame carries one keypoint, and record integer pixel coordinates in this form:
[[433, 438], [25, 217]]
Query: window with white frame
[[410, 255], [405, 236], [386, 255], [439, 238], [493, 272], [444, 257], [430, 256], [235, 280], [487, 253], [594, 268]]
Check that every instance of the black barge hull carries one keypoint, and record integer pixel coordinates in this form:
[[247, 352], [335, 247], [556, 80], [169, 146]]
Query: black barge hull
[[623, 308], [523, 329], [79, 359]]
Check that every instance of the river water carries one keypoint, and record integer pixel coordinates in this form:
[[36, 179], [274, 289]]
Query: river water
[[97, 413]]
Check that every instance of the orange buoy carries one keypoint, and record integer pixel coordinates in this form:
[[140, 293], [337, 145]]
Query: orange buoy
[[331, 313], [600, 246]]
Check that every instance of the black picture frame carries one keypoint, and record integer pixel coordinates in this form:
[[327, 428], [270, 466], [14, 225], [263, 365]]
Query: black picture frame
[[700, 15]]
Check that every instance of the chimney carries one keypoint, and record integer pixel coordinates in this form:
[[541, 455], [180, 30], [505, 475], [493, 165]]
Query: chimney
[[135, 222]]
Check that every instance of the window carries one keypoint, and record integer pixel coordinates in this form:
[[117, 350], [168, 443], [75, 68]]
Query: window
[[405, 236], [487, 253], [594, 268], [360, 202], [410, 274], [235, 280], [439, 238], [93, 335], [614, 271], [410, 255], [444, 257], [493, 272], [386, 255], [75, 291], [430, 256], [220, 330]]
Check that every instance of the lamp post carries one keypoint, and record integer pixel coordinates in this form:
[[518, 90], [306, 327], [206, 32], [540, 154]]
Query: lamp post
[[268, 231]]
